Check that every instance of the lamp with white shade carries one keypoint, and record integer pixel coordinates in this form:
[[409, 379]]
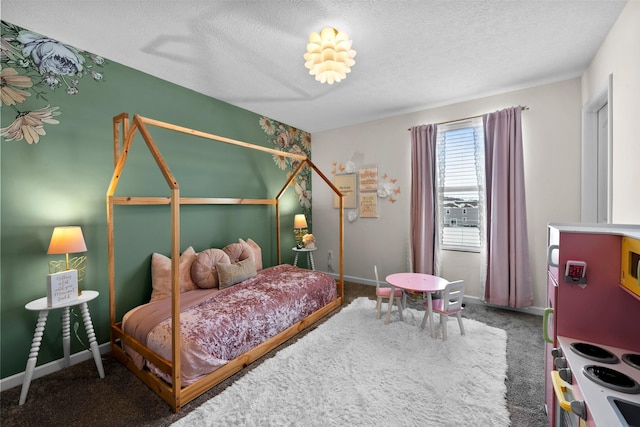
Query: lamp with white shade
[[299, 228], [68, 240]]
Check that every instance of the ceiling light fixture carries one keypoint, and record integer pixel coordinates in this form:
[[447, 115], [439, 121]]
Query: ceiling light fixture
[[329, 55]]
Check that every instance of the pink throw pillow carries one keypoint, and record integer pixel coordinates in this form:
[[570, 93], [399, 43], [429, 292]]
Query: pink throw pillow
[[256, 250], [204, 271], [238, 252], [161, 274]]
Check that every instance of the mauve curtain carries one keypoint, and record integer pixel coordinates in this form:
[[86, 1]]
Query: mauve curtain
[[508, 279], [424, 244]]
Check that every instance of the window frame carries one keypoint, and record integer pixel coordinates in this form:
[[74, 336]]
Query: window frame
[[443, 212]]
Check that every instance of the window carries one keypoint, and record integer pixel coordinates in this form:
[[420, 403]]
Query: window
[[460, 166]]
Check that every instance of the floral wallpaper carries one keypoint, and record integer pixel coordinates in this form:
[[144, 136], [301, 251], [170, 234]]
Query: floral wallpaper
[[292, 140], [32, 66]]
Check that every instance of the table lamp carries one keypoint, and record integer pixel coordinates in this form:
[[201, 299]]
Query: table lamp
[[66, 240], [299, 228]]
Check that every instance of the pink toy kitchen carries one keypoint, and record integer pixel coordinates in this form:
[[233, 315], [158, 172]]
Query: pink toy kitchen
[[592, 325]]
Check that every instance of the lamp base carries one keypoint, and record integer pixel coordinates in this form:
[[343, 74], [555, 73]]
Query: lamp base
[[298, 234]]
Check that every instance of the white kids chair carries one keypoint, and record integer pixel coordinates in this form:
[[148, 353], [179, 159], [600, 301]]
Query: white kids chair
[[399, 297], [451, 303]]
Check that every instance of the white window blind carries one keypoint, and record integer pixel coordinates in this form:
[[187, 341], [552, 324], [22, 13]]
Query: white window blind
[[460, 165]]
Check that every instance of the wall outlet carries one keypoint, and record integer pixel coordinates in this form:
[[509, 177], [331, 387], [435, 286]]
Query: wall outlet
[[330, 261]]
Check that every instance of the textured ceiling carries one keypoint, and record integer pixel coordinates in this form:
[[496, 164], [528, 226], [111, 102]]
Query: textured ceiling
[[411, 55]]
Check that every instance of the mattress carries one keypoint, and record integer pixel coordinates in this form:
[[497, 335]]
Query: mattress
[[219, 325]]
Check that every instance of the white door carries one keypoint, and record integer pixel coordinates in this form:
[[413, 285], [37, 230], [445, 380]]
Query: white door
[[596, 158], [602, 144]]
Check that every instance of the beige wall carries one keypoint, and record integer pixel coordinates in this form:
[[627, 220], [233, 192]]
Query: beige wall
[[619, 55], [551, 133]]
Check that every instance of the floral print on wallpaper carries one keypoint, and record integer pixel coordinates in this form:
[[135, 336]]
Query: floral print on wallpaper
[[292, 140], [32, 65]]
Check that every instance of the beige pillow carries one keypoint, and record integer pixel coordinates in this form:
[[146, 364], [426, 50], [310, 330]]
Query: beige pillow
[[230, 274], [238, 252], [257, 252], [161, 274], [204, 271]]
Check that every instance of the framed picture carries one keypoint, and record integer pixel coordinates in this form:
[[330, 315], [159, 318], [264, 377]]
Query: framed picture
[[369, 205], [369, 179], [347, 185]]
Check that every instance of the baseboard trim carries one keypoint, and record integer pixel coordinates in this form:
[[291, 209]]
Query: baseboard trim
[[51, 367], [538, 311]]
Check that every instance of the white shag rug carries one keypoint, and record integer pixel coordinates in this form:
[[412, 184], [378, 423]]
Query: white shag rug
[[355, 370]]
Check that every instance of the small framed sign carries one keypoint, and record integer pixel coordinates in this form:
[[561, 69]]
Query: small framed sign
[[62, 287], [347, 185], [369, 179], [369, 205]]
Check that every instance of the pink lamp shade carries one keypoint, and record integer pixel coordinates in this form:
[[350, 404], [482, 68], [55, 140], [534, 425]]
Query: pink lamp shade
[[66, 240], [299, 221]]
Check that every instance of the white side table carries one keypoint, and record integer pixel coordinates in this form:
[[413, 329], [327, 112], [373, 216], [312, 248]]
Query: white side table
[[41, 306], [309, 252]]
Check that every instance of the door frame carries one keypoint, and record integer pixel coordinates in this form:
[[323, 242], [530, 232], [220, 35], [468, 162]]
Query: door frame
[[589, 192]]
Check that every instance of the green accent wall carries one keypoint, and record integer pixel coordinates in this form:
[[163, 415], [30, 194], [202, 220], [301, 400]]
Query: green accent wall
[[63, 178]]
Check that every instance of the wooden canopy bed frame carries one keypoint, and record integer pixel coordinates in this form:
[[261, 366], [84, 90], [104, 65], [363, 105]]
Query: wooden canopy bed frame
[[176, 395]]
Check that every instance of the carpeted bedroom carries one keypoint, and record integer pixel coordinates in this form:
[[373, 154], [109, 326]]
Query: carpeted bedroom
[[347, 369]]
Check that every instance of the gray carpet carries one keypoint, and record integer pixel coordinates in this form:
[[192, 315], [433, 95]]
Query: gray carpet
[[78, 397]]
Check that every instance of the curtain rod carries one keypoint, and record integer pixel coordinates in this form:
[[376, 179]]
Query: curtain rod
[[524, 108]]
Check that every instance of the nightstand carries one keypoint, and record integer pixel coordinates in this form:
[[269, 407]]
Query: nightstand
[[309, 252], [40, 305]]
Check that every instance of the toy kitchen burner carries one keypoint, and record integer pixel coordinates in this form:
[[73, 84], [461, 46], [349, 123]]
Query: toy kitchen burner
[[632, 359], [604, 382], [594, 352]]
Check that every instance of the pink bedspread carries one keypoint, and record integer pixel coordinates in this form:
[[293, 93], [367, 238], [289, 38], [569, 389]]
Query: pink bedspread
[[219, 325]]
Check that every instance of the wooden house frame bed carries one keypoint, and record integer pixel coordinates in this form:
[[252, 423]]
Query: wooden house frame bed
[[173, 393]]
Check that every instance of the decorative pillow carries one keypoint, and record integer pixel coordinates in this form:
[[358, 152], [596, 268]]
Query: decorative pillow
[[230, 274], [161, 274], [238, 252], [204, 270], [257, 252]]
